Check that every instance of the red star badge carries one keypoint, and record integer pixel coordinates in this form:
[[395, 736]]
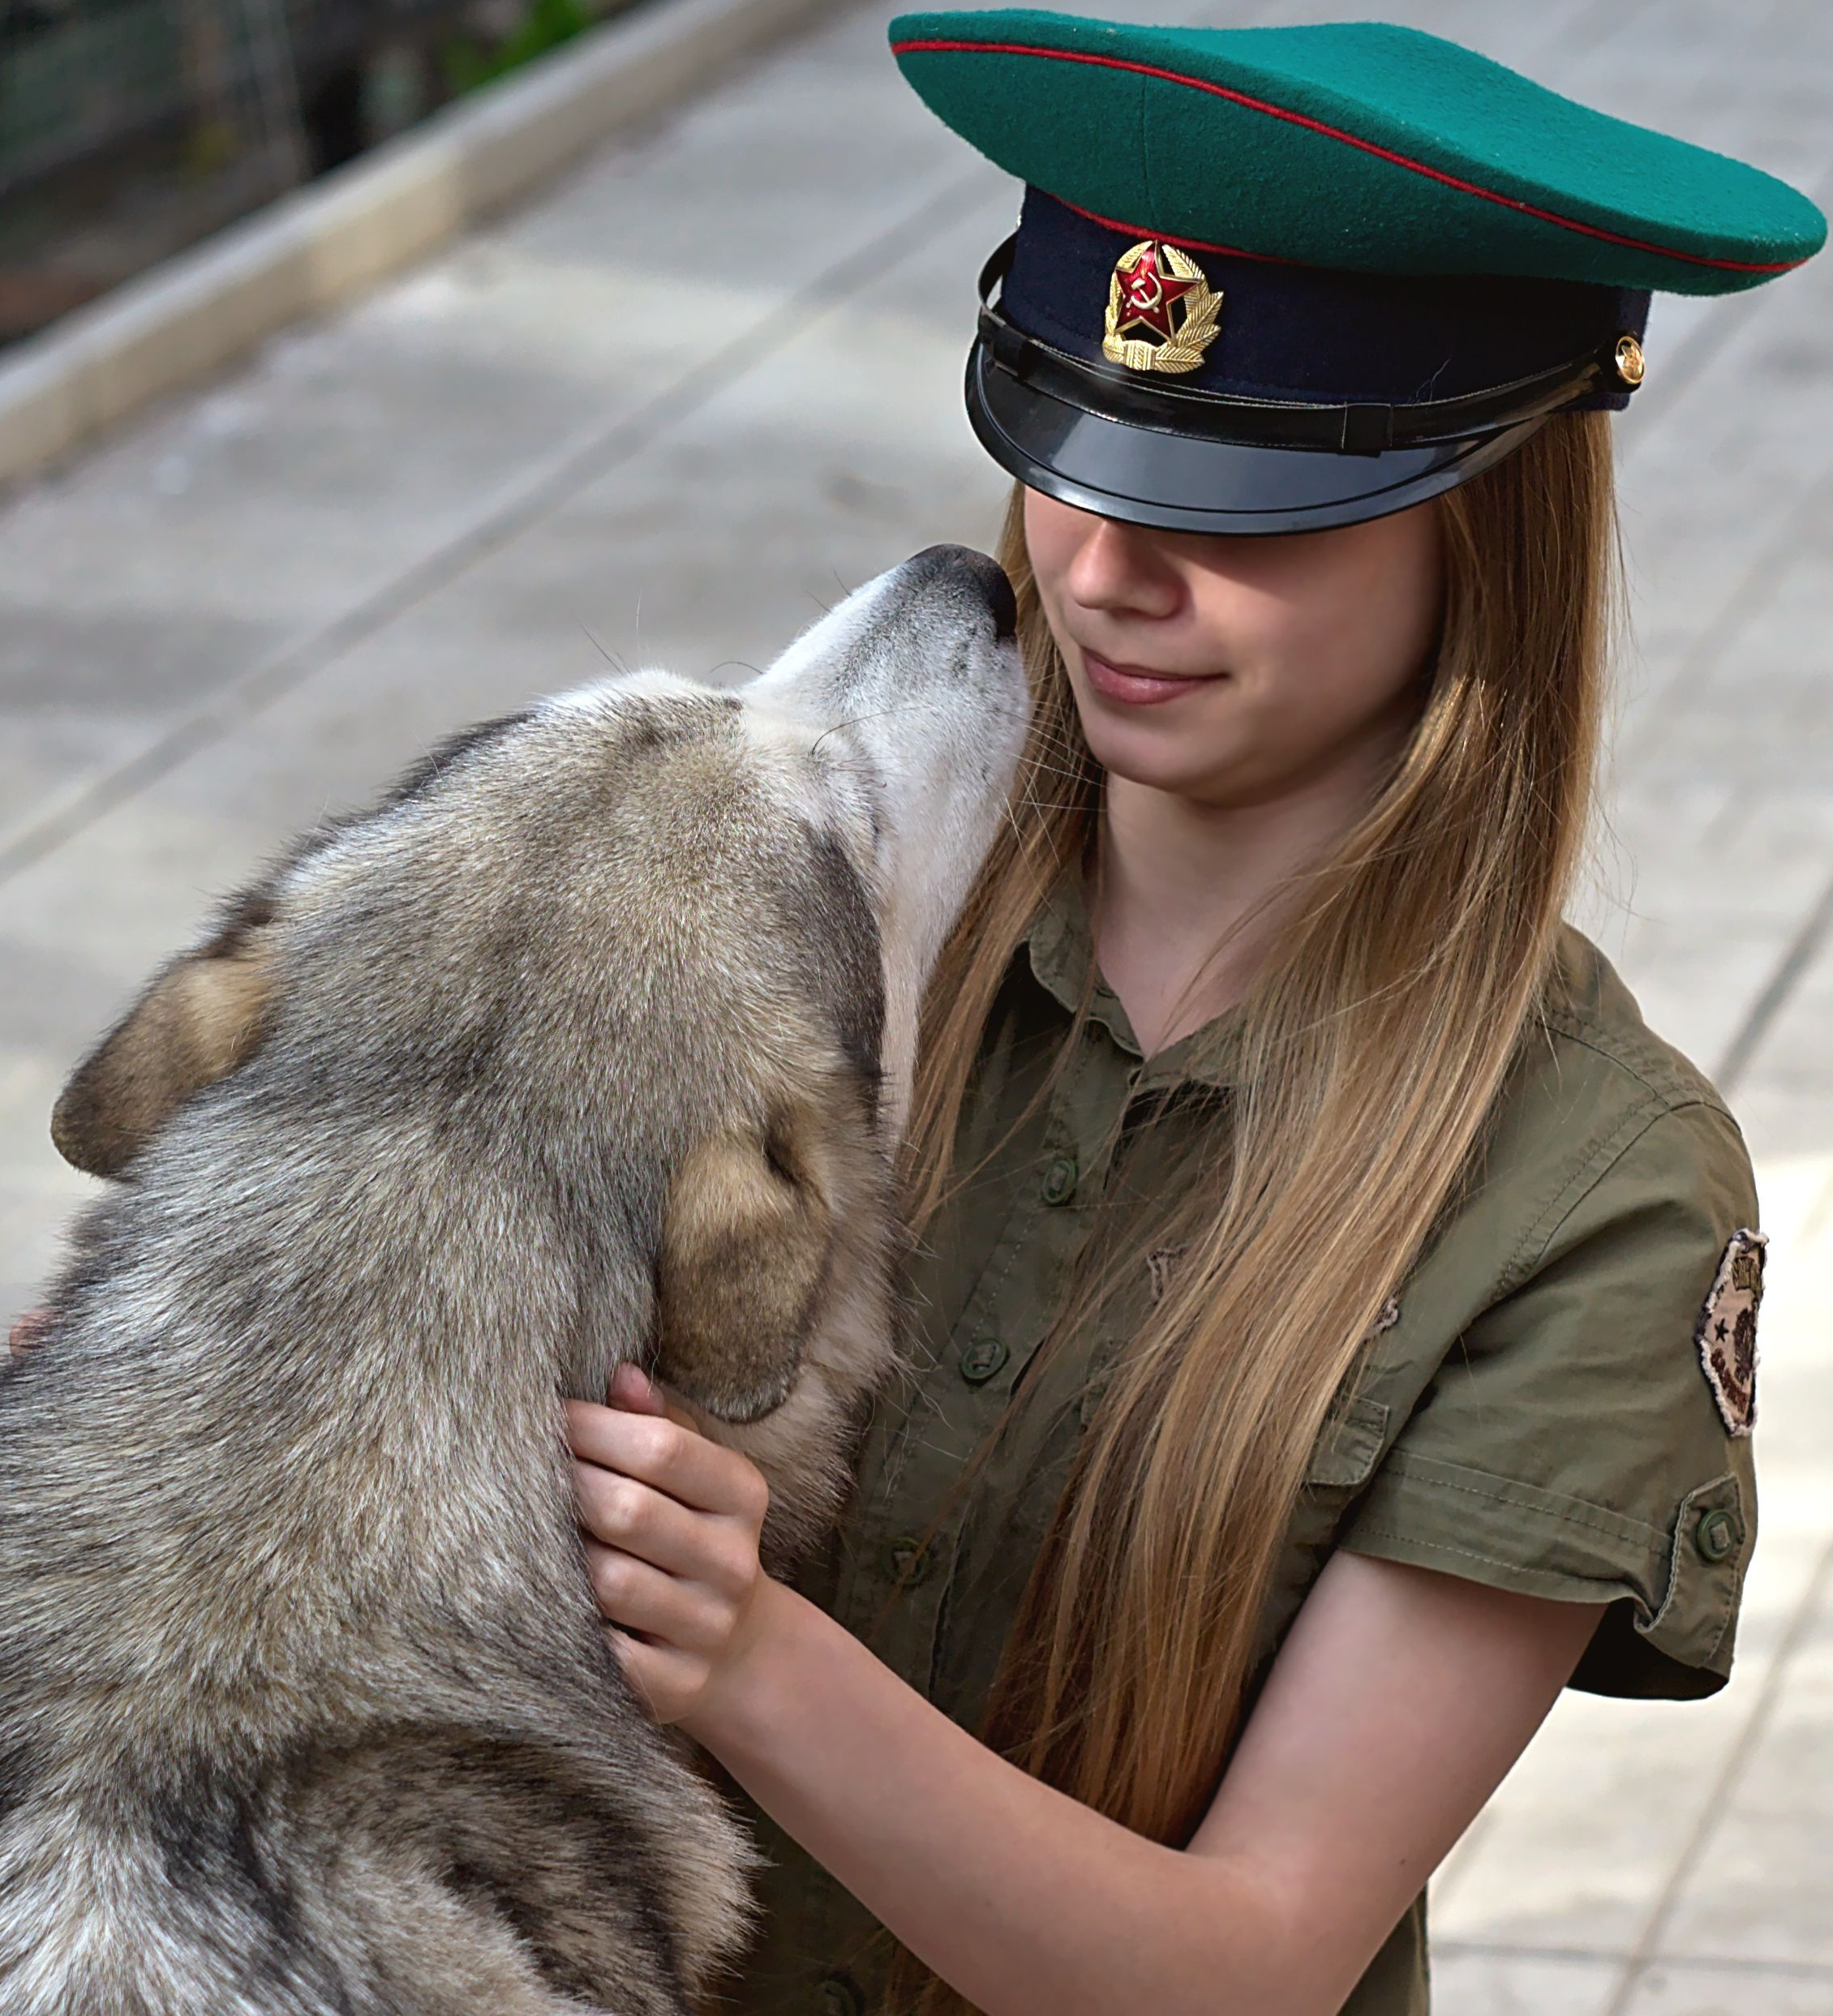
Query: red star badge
[[1149, 279], [1148, 291]]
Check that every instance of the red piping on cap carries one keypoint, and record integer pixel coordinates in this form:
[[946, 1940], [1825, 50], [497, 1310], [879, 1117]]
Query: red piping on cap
[[1166, 237], [1349, 139]]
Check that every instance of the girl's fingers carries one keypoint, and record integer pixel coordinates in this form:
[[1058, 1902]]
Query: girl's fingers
[[633, 1390], [671, 1521], [668, 1684], [677, 1615], [623, 1513], [671, 1457]]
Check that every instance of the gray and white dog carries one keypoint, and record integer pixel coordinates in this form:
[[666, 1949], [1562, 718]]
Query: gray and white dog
[[590, 1043]]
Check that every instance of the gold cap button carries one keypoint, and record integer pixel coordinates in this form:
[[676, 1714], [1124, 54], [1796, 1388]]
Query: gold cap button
[[1630, 364]]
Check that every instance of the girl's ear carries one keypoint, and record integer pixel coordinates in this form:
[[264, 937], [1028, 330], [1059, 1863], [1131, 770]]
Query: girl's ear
[[200, 1018], [747, 1238]]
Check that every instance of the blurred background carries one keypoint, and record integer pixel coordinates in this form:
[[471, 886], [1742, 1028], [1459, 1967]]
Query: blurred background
[[130, 129], [665, 407]]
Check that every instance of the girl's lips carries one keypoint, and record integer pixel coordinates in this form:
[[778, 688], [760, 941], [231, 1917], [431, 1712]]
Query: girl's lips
[[1138, 689]]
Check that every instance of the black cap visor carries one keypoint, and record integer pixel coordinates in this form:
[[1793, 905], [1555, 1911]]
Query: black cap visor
[[1180, 482]]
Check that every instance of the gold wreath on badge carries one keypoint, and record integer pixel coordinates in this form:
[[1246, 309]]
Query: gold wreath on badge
[[1150, 280]]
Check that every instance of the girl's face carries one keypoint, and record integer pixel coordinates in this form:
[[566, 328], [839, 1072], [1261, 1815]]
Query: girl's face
[[1234, 670]]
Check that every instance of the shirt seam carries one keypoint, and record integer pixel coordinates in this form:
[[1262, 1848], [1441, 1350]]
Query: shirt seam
[[1532, 1248], [1588, 1036], [1426, 1544], [1655, 1546]]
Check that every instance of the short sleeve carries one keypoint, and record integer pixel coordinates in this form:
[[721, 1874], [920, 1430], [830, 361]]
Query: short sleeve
[[1572, 1444]]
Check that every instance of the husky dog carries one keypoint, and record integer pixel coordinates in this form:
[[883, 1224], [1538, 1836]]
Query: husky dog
[[590, 1043]]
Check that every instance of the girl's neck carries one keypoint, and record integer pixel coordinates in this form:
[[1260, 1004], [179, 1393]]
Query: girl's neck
[[1189, 895]]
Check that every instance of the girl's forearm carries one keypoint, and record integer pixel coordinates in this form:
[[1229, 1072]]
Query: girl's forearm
[[1027, 1902], [1397, 1702]]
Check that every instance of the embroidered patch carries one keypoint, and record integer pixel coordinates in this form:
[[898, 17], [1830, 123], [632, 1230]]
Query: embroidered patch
[[1726, 1334]]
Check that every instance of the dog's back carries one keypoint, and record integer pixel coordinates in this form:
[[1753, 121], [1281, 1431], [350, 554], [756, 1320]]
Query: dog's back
[[304, 1702], [307, 1704], [297, 1664]]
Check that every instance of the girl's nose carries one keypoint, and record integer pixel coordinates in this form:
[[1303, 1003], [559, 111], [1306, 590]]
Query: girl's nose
[[1117, 570]]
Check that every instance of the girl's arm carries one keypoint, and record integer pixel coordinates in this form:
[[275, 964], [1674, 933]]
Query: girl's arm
[[1398, 1702]]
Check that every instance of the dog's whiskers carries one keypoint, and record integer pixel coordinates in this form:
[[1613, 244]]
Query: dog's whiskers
[[611, 658], [852, 721]]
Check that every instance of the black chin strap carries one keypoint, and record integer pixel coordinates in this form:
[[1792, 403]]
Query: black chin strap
[[1100, 388]]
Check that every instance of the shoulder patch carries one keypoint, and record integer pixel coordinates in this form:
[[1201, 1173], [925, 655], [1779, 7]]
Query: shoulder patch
[[1726, 1334]]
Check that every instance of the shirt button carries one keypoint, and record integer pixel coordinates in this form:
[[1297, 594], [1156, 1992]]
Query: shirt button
[[1716, 1536], [905, 1560], [839, 1996], [1059, 1180], [981, 1359]]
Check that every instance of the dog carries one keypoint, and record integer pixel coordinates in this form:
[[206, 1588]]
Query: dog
[[591, 1042]]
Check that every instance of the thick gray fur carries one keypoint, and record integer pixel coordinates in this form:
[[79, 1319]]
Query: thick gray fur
[[306, 1708]]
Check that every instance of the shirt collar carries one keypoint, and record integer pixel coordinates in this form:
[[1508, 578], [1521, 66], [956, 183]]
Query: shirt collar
[[1060, 944]]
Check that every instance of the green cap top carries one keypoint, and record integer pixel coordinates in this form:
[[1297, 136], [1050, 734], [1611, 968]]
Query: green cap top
[[1354, 145]]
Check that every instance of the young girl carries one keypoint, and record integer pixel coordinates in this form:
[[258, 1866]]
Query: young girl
[[1335, 1308]]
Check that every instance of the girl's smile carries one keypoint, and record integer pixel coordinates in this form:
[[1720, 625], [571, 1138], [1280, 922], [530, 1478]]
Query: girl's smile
[[1136, 686], [1225, 672]]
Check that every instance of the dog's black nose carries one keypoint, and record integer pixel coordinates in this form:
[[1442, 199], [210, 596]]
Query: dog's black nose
[[988, 576], [1005, 605]]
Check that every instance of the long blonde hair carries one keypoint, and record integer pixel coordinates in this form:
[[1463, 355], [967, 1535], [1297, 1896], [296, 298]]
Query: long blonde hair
[[1374, 1038]]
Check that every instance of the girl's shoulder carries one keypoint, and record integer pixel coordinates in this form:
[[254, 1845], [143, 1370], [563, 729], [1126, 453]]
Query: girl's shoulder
[[1595, 1029], [1605, 1129], [1566, 1390]]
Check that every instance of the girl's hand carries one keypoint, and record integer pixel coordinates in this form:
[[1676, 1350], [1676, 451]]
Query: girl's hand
[[671, 1521]]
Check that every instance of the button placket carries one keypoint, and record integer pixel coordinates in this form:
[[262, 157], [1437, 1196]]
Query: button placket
[[982, 1359], [906, 1560], [897, 1581], [990, 1325], [1083, 1124]]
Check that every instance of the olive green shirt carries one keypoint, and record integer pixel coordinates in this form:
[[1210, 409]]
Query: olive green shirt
[[1534, 1414]]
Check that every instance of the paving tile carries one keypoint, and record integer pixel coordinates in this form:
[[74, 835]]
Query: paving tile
[[348, 452], [1685, 1990], [1761, 1888], [1785, 1095], [611, 569], [1474, 1983]]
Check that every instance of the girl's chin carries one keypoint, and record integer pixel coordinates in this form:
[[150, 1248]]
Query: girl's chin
[[1186, 748], [1155, 762]]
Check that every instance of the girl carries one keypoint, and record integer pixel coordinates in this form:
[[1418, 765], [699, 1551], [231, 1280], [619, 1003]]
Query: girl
[[1335, 1308]]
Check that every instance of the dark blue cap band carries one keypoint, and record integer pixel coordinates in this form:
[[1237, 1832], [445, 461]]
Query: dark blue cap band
[[1317, 335]]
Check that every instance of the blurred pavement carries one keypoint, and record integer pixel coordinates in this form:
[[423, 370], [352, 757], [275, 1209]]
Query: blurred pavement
[[667, 413]]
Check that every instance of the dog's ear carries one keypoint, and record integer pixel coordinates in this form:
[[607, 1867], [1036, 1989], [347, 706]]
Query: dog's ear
[[747, 1239], [199, 1018]]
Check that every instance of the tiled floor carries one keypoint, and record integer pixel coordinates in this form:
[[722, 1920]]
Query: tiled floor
[[665, 413]]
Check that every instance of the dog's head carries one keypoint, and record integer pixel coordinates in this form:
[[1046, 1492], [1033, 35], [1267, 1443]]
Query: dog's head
[[658, 946]]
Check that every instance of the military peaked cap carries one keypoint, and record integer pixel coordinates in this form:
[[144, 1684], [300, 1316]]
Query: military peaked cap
[[1275, 279]]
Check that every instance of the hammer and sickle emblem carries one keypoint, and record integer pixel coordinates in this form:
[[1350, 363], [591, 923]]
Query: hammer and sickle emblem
[[1161, 312]]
